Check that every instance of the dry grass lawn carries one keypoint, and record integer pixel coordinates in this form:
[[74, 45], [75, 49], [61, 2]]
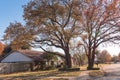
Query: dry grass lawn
[[39, 74], [44, 75]]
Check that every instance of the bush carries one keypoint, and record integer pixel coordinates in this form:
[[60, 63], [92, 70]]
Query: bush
[[88, 68], [61, 79], [50, 68], [69, 69]]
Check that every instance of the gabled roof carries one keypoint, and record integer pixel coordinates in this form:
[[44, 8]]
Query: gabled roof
[[35, 55], [16, 57]]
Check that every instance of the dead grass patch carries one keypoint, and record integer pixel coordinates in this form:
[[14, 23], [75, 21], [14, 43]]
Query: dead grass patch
[[69, 74], [39, 74]]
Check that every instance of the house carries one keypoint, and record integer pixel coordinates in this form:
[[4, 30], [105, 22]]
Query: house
[[27, 60]]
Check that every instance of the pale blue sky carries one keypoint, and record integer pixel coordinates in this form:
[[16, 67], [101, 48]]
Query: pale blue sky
[[10, 11]]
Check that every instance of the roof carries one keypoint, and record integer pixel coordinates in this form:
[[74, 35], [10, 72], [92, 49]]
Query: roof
[[35, 55], [16, 57]]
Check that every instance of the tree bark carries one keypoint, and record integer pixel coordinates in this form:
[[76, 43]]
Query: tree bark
[[68, 58], [91, 59], [90, 63], [68, 61]]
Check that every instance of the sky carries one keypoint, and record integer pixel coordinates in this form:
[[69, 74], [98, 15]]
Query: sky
[[113, 49], [12, 10]]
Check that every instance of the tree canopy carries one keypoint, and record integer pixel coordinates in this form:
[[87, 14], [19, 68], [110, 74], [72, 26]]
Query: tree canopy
[[104, 56], [17, 36], [56, 22], [100, 22], [1, 47]]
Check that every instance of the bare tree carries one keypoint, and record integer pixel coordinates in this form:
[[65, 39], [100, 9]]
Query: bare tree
[[100, 22]]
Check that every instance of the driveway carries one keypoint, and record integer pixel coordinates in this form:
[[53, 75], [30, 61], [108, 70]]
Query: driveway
[[112, 72]]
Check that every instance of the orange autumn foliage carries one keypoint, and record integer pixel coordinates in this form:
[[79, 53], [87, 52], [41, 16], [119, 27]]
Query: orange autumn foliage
[[1, 47]]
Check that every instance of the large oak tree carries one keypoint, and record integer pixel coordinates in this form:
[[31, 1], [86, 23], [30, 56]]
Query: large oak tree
[[55, 21]]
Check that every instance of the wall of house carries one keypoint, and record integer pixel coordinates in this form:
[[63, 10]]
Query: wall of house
[[6, 68]]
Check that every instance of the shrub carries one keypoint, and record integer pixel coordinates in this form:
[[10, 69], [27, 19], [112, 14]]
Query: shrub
[[93, 68], [69, 69], [50, 68]]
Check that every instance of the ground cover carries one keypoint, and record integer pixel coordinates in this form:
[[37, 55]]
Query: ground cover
[[44, 75]]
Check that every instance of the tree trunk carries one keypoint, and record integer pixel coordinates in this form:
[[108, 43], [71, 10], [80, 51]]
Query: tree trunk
[[68, 61], [90, 63], [68, 58], [91, 59]]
